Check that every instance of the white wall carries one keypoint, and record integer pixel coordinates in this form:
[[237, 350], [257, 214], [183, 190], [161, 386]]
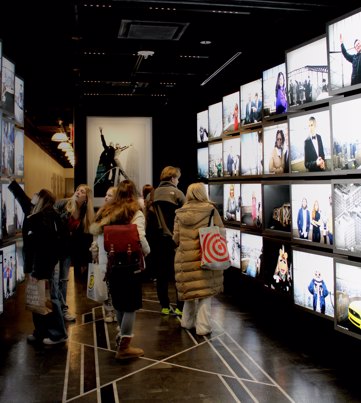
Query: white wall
[[42, 171]]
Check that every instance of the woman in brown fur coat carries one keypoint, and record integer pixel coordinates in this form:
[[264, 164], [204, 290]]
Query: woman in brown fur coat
[[126, 284], [195, 285]]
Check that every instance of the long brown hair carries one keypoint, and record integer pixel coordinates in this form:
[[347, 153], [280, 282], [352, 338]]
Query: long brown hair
[[126, 203], [46, 200]]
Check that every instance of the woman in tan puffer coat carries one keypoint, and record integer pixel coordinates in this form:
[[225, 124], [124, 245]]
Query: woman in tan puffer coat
[[195, 285]]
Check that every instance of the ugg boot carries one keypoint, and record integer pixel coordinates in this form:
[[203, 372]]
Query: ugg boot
[[125, 351]]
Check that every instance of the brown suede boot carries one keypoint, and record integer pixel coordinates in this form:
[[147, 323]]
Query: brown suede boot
[[125, 351]]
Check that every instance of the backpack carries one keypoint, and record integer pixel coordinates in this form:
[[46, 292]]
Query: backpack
[[122, 243]]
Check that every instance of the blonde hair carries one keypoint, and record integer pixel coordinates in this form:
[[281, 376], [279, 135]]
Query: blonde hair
[[86, 211], [170, 172], [197, 191]]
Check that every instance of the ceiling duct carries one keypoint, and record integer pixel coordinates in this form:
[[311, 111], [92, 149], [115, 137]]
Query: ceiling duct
[[151, 30]]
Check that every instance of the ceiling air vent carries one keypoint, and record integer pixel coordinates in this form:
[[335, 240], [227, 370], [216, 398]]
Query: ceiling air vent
[[151, 30]]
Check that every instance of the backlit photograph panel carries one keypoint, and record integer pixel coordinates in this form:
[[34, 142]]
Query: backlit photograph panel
[[251, 254], [276, 149], [231, 113], [310, 140], [314, 282], [231, 156]]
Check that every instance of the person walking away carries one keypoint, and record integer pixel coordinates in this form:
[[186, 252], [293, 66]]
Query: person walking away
[[195, 286], [77, 213], [163, 202], [127, 292]]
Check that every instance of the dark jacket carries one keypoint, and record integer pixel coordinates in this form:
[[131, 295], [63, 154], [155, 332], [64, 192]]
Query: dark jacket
[[41, 243], [77, 242]]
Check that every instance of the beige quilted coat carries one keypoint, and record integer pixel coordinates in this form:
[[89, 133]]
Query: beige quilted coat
[[192, 282]]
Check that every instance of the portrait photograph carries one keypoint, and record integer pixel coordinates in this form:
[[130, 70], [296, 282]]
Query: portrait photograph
[[231, 156], [202, 126], [232, 202], [8, 85], [215, 160], [215, 120], [274, 86], [19, 101], [231, 113], [251, 205], [343, 49], [276, 149], [233, 238], [277, 268], [310, 142], [313, 282]]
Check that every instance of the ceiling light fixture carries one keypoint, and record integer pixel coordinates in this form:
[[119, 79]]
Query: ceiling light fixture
[[221, 68], [61, 134], [145, 53]]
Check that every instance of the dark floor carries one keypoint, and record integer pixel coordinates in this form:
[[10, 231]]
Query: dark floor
[[254, 354]]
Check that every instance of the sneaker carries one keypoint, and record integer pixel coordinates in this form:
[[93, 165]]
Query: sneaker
[[68, 317], [178, 312], [109, 317], [50, 342], [165, 311]]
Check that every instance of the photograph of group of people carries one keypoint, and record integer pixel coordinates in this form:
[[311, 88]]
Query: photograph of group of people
[[307, 73], [118, 148], [313, 282], [311, 206], [251, 102]]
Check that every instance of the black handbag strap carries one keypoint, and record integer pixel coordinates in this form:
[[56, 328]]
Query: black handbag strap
[[210, 218]]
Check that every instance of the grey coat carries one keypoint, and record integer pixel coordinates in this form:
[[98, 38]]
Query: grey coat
[[192, 281]]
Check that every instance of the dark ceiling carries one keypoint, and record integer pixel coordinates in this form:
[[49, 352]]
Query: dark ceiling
[[85, 55]]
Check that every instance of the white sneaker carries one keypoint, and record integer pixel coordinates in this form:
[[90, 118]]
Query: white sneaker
[[50, 342], [68, 317], [109, 317]]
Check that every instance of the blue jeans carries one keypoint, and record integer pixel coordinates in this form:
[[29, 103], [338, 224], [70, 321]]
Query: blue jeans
[[126, 322], [64, 267], [51, 325]]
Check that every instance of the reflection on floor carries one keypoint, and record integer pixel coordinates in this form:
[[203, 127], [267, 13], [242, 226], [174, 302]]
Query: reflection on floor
[[254, 354]]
